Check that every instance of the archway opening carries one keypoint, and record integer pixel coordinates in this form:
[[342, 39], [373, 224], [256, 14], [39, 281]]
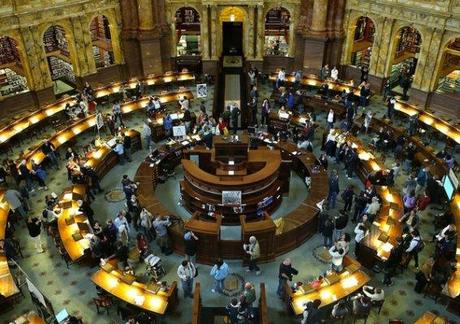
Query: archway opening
[[449, 71], [59, 61], [102, 42], [405, 57], [232, 20], [277, 21], [362, 42], [12, 75], [187, 21]]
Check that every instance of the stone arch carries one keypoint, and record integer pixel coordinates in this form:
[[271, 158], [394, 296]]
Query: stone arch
[[93, 20], [23, 67], [171, 15], [447, 48], [289, 10], [223, 15]]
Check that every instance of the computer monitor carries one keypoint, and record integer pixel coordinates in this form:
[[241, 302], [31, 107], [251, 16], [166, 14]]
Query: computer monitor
[[174, 116], [453, 178], [448, 186], [179, 131], [112, 142], [62, 316]]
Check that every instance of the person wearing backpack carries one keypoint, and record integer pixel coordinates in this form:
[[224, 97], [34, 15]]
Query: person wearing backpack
[[416, 245]]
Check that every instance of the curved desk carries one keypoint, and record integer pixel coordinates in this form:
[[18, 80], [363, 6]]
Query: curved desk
[[312, 80], [8, 287], [290, 231], [429, 119], [127, 289]]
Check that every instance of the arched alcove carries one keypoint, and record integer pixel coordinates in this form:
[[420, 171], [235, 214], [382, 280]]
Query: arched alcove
[[12, 75], [101, 39], [277, 24]]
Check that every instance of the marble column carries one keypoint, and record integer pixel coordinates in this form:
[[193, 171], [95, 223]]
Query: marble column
[[250, 50], [260, 37], [173, 39], [204, 33], [348, 45], [435, 58], [384, 51], [145, 10], [292, 23], [422, 60], [83, 46], [115, 32], [214, 37], [376, 46], [318, 23]]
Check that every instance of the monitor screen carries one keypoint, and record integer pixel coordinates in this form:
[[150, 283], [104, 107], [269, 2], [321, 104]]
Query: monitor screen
[[174, 116], [448, 186], [62, 315], [179, 131]]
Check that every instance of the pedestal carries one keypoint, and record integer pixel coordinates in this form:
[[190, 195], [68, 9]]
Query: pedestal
[[314, 48], [150, 52], [210, 66]]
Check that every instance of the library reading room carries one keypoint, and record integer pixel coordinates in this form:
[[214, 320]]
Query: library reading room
[[229, 162]]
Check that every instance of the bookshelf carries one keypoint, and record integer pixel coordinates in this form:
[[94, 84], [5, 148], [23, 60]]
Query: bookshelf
[[277, 32], [54, 40], [11, 79], [362, 43], [102, 42], [409, 41], [60, 69]]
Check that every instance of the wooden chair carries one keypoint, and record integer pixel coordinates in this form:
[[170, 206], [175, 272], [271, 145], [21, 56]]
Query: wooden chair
[[378, 305], [65, 256], [103, 302]]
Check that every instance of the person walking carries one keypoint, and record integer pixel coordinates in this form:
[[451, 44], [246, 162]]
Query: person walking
[[147, 135], [161, 225], [285, 273], [360, 233], [416, 245], [235, 113], [34, 228], [15, 201], [219, 271], [249, 297], [190, 243], [187, 272], [265, 112], [253, 250], [49, 150], [327, 231], [333, 189]]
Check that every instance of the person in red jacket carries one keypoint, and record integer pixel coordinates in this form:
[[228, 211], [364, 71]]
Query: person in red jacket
[[423, 201], [142, 245]]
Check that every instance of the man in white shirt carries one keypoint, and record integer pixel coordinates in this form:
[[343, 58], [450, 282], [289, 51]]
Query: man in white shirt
[[147, 135], [186, 272], [337, 255], [121, 220], [415, 246], [361, 232], [280, 78], [184, 103], [120, 150], [330, 119], [334, 74], [375, 294]]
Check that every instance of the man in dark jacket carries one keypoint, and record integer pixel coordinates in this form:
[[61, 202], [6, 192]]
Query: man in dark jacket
[[49, 149], [34, 228], [127, 146], [333, 189], [235, 114], [286, 271]]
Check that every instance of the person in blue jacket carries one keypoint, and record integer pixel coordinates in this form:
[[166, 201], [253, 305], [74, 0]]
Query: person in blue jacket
[[219, 271], [168, 124]]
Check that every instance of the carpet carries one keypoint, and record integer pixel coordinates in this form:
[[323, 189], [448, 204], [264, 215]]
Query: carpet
[[233, 285], [115, 195], [322, 254]]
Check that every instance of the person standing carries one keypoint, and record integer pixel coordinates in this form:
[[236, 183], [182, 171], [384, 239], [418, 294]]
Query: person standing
[[127, 146], [340, 222], [327, 230], [219, 271], [234, 116], [34, 228], [161, 224], [394, 260], [391, 107], [416, 245], [280, 78], [334, 74], [26, 175], [347, 196], [249, 297], [330, 119], [120, 150], [324, 73], [15, 201], [337, 254], [364, 73], [361, 232], [147, 135], [49, 150], [187, 119], [190, 243], [116, 111], [333, 189], [187, 272], [265, 112], [232, 310], [285, 273], [253, 250]]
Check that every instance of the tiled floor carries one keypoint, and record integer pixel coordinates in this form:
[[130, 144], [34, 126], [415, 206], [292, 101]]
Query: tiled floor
[[73, 290]]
